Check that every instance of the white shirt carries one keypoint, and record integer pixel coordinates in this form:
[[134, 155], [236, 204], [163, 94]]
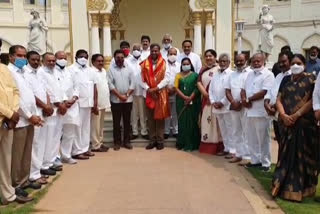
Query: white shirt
[[84, 79], [145, 54], [134, 65], [121, 79], [103, 88], [163, 83], [164, 52], [316, 95], [195, 60], [27, 102], [256, 82], [217, 92], [174, 69], [273, 92], [236, 82]]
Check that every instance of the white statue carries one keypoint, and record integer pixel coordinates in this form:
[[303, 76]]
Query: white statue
[[266, 21], [37, 37]]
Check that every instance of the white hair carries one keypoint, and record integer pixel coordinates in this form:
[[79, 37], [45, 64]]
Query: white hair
[[224, 55]]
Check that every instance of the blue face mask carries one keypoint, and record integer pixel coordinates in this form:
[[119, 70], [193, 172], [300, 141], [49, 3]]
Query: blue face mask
[[19, 63]]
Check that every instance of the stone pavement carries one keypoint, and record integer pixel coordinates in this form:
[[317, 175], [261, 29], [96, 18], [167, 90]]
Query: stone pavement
[[154, 182]]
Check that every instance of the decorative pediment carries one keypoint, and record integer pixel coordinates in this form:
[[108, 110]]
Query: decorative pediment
[[200, 5], [102, 6]]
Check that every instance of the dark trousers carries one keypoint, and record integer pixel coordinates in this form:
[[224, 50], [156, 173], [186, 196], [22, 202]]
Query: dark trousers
[[121, 111], [156, 127], [21, 155]]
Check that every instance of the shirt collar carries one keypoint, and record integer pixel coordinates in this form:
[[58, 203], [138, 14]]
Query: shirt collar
[[31, 69], [117, 67], [80, 66], [46, 69], [15, 68]]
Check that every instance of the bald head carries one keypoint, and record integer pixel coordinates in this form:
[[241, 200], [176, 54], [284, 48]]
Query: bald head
[[167, 41], [136, 47], [60, 55], [240, 61], [258, 60]]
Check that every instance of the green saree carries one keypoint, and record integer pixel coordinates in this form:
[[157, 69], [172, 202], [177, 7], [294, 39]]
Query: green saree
[[188, 116]]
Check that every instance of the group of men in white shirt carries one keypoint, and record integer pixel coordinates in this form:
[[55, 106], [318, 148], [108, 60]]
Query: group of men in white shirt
[[57, 106], [244, 103]]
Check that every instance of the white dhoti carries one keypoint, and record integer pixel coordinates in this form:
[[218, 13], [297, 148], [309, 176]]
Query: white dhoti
[[96, 132], [83, 132], [259, 141], [239, 137], [225, 125], [69, 140], [57, 137], [172, 122], [139, 114], [42, 148]]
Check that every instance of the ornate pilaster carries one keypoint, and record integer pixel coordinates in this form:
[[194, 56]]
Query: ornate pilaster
[[107, 50], [95, 44], [209, 31], [197, 33]]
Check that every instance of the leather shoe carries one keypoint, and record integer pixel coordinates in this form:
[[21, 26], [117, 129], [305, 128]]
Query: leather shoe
[[33, 185], [127, 146], [102, 148], [21, 192], [166, 136], [133, 137], [116, 147], [56, 168], [49, 172], [80, 157], [150, 146], [22, 200], [160, 146], [89, 154]]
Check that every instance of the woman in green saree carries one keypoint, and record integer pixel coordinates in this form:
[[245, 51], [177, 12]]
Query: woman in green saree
[[296, 173], [188, 107]]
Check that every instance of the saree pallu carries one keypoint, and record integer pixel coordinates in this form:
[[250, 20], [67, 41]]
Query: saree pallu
[[153, 77], [297, 169]]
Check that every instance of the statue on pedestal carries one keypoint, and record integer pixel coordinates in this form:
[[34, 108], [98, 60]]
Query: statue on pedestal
[[37, 37], [266, 21]]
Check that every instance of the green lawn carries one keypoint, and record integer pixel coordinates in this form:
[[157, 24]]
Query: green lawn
[[27, 208], [308, 206]]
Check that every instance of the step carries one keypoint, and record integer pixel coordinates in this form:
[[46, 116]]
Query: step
[[140, 142]]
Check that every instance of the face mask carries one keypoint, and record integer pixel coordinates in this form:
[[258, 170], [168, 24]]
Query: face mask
[[82, 61], [167, 46], [61, 63], [297, 69], [186, 67], [126, 51], [257, 69], [313, 57], [136, 53], [172, 58], [19, 63]]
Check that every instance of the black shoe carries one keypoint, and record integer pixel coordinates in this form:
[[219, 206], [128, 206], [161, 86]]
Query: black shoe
[[160, 146], [116, 147], [250, 165], [21, 192], [165, 136], [145, 137], [127, 146], [22, 200], [33, 185], [175, 135], [265, 168], [133, 137], [49, 172], [150, 146], [56, 168]]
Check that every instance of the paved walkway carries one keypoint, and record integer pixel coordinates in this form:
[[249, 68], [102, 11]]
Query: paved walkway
[[152, 182]]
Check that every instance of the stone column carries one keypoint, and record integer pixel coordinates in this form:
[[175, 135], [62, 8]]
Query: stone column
[[197, 33], [95, 45], [107, 50], [209, 31]]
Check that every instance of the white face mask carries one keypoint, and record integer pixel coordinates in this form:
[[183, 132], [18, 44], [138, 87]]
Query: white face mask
[[167, 46], [62, 62], [172, 58], [82, 61], [297, 69], [186, 67], [257, 69], [313, 57], [136, 53]]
